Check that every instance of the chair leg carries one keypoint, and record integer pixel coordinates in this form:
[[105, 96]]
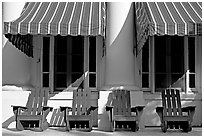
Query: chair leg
[[134, 127], [19, 126], [67, 125], [137, 126], [44, 125], [187, 126], [164, 126], [113, 126], [90, 124]]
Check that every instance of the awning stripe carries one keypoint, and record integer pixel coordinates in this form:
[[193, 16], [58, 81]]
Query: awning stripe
[[175, 18], [162, 17], [52, 17], [171, 16], [195, 6], [63, 14], [33, 17], [90, 18], [80, 18], [71, 18]]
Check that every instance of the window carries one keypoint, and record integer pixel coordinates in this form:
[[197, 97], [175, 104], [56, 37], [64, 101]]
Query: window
[[169, 60], [66, 58], [172, 56]]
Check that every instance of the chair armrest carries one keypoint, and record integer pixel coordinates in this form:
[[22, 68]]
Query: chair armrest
[[17, 107], [137, 108], [63, 108], [46, 108], [188, 108], [109, 108], [92, 108], [159, 109]]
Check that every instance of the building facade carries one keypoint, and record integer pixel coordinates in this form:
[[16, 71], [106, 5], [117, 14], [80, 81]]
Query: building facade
[[141, 46]]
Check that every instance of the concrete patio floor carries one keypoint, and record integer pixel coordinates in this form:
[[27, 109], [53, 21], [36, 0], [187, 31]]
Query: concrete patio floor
[[150, 131]]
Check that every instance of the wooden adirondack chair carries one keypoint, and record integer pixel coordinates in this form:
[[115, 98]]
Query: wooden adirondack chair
[[171, 114], [80, 115], [122, 115], [33, 116]]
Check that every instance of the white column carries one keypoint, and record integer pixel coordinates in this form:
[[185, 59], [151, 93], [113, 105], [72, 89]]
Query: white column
[[120, 61], [120, 68]]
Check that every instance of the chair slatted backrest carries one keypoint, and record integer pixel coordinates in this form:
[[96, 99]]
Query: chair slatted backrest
[[121, 102], [171, 102], [37, 98], [81, 102]]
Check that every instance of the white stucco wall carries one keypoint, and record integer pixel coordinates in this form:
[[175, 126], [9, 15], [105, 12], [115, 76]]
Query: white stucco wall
[[16, 65], [10, 12], [119, 45]]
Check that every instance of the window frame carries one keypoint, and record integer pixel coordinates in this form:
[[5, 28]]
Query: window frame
[[151, 42], [39, 67]]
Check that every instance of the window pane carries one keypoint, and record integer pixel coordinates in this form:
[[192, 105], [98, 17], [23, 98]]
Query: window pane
[[160, 54], [76, 76], [46, 54], [92, 80], [61, 44], [77, 63], [175, 78], [46, 62], [145, 80], [192, 80], [160, 63], [46, 44], [46, 80], [77, 45], [61, 80], [61, 65], [92, 54], [177, 64], [161, 81], [191, 54], [177, 54], [145, 57]]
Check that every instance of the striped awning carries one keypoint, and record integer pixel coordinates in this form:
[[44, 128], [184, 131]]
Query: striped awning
[[142, 24], [175, 18], [57, 18]]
